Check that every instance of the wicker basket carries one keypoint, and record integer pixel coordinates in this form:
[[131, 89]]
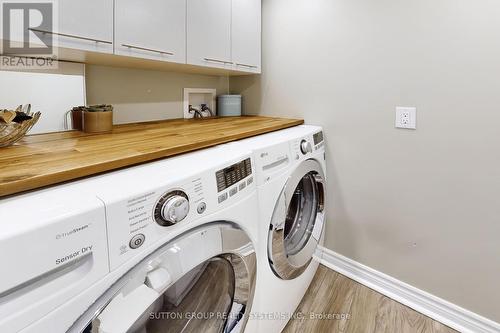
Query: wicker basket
[[13, 132]]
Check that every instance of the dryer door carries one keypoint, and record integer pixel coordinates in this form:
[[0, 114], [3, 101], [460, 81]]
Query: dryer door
[[297, 222], [200, 282]]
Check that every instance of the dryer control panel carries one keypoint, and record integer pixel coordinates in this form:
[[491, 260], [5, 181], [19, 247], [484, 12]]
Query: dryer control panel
[[318, 138], [303, 147]]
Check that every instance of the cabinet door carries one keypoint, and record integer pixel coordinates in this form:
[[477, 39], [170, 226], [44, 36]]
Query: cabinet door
[[209, 33], [85, 25], [246, 35], [153, 29]]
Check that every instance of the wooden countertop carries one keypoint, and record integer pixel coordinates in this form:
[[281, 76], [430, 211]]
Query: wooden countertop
[[47, 159]]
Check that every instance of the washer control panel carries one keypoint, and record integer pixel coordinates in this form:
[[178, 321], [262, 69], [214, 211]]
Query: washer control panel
[[154, 210], [156, 201], [233, 179], [137, 241], [233, 174], [172, 208]]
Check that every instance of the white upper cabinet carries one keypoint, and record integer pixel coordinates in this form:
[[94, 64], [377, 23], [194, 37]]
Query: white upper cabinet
[[223, 34], [246, 35], [85, 25], [209, 33], [153, 29]]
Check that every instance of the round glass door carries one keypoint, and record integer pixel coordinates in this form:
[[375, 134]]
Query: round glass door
[[214, 296], [198, 303], [297, 222]]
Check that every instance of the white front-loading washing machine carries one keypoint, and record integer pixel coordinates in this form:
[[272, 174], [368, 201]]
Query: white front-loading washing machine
[[290, 174], [169, 247], [200, 281]]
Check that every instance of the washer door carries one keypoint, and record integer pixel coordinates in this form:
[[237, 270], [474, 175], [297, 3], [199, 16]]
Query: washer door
[[200, 282], [297, 222]]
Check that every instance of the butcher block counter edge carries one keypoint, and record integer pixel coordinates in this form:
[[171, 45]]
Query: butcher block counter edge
[[48, 159]]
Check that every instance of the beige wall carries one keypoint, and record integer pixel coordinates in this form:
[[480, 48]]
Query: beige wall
[[422, 206], [142, 95]]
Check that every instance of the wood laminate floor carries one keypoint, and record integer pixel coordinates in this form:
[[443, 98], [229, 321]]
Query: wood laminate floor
[[354, 308]]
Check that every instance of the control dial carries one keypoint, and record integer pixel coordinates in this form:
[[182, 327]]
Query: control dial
[[172, 208], [305, 147]]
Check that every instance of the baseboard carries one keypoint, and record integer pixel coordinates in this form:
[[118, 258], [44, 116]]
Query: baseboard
[[434, 307]]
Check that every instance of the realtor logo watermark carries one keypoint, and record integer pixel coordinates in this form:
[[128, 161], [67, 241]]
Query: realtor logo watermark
[[27, 38]]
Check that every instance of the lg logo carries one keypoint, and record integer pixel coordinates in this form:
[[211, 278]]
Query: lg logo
[[26, 28]]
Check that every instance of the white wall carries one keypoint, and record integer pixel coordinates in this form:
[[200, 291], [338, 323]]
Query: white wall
[[136, 94], [52, 92], [144, 95], [422, 206]]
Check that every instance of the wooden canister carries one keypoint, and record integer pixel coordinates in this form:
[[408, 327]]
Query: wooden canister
[[97, 122]]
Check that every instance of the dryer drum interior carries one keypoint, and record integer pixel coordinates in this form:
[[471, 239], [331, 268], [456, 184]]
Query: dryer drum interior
[[301, 214], [213, 296], [297, 222]]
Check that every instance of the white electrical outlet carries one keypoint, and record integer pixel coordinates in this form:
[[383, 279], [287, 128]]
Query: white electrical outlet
[[406, 117]]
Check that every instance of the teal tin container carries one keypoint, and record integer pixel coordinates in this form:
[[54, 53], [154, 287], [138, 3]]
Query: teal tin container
[[229, 105]]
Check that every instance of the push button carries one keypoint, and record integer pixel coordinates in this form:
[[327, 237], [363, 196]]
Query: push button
[[242, 186], [222, 197], [249, 180], [233, 191], [137, 241], [201, 208]]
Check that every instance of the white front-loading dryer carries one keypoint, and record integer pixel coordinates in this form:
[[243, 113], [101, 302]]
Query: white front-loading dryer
[[179, 236], [53, 246], [290, 172]]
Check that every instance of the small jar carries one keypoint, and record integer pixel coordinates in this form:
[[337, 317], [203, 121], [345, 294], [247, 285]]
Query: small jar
[[229, 105], [97, 121]]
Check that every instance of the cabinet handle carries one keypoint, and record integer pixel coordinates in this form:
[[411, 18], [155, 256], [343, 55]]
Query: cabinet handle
[[217, 60], [245, 65], [71, 36], [146, 49]]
